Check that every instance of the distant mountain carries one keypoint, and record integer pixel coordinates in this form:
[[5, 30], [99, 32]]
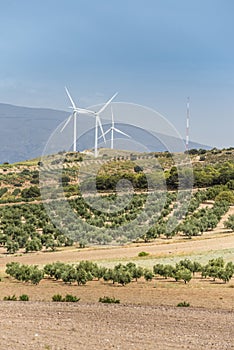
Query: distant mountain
[[24, 133]]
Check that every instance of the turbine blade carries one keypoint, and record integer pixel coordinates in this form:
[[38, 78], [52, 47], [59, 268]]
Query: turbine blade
[[121, 132], [107, 103], [70, 98], [68, 120], [105, 133], [84, 111], [100, 126]]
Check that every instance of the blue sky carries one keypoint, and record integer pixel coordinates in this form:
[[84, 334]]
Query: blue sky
[[154, 52]]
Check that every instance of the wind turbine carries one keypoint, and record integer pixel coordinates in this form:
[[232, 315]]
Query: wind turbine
[[112, 129], [98, 123], [87, 112]]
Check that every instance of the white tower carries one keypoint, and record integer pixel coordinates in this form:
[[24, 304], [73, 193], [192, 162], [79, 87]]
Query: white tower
[[187, 124]]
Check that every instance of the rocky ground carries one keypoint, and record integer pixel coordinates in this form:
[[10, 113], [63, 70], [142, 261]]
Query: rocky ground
[[82, 326]]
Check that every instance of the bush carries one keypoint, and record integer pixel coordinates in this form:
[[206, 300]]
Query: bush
[[183, 304], [3, 191], [16, 192], [24, 297], [57, 297], [13, 298], [143, 254], [225, 196], [108, 300], [68, 298], [31, 192], [71, 298]]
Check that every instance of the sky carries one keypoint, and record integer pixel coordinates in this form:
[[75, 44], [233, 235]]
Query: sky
[[153, 52]]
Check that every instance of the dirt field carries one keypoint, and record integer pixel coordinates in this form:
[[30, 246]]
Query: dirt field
[[147, 317], [102, 327]]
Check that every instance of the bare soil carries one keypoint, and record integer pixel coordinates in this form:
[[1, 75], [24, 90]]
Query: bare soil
[[199, 293], [146, 319], [206, 243], [102, 327]]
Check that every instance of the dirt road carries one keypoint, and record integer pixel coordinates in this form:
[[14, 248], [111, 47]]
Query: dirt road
[[205, 243]]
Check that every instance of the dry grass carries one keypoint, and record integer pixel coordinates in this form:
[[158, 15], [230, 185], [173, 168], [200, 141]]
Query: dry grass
[[199, 293]]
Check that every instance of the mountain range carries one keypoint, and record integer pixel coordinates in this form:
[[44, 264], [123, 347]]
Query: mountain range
[[25, 131]]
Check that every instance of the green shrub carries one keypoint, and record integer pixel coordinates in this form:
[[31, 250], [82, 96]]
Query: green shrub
[[183, 304], [57, 297], [143, 254], [3, 191], [16, 192], [68, 298], [24, 297], [31, 192], [109, 300], [13, 298], [71, 298]]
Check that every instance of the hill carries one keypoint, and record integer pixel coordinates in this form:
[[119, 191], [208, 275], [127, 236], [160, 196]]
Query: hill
[[65, 186], [25, 131]]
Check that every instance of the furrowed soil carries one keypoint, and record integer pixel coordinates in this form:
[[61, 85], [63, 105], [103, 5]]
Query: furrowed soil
[[103, 327], [147, 316]]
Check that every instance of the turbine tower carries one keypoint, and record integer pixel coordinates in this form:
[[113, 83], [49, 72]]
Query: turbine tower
[[187, 124], [98, 123], [112, 129]]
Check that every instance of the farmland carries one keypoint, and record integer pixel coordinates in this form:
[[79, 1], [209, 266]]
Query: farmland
[[147, 309], [203, 236]]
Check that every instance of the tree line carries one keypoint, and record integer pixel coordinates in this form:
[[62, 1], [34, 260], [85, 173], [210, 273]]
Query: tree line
[[121, 274]]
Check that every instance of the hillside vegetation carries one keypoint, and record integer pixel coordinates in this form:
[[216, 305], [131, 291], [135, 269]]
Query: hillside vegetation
[[26, 226]]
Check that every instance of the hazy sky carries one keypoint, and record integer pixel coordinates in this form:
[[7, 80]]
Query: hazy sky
[[154, 52]]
